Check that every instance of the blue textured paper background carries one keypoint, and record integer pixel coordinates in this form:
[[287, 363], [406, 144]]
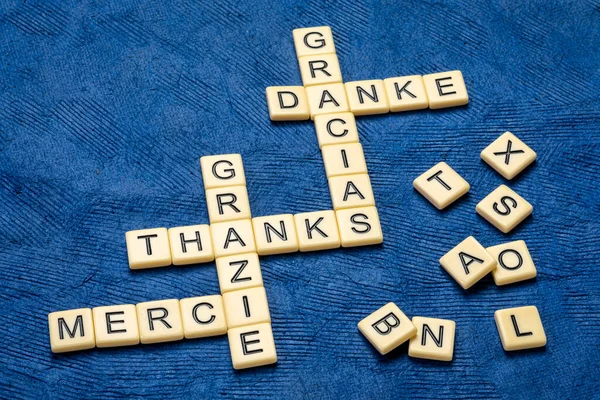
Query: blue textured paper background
[[106, 106]]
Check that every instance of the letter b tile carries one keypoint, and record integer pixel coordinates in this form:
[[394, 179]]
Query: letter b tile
[[387, 328]]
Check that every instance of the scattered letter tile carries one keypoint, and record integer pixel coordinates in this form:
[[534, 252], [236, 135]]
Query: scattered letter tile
[[311, 41], [287, 103], [203, 316], [514, 264], [275, 234], [228, 204], [367, 97], [344, 159], [351, 191], [359, 226], [508, 155], [406, 93], [148, 248], [246, 307], [71, 330], [233, 237], [434, 339], [336, 128], [320, 69], [504, 208], [116, 326], [159, 321], [317, 230], [520, 328], [252, 346], [441, 185], [327, 99], [238, 272], [468, 262], [191, 244], [446, 89], [222, 170], [387, 328]]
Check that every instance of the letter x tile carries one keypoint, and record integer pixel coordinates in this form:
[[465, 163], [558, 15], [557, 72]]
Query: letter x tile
[[508, 155]]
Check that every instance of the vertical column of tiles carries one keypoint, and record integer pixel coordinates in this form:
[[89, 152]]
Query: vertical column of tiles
[[243, 310]]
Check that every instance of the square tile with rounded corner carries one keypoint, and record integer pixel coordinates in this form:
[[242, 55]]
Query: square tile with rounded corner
[[359, 226], [252, 346], [504, 208], [337, 128], [275, 234], [317, 230], [240, 271], [233, 237], [287, 103], [159, 321], [387, 328], [222, 170], [441, 185], [446, 89], [203, 316], [71, 330], [191, 245], [434, 339], [514, 263], [468, 262], [148, 248], [508, 155], [520, 328]]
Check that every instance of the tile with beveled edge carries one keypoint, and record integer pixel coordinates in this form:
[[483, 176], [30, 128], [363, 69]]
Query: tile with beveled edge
[[344, 159], [434, 339], [233, 237], [359, 226], [351, 191], [148, 248], [508, 155], [275, 234], [446, 89], [441, 185], [71, 330], [287, 103], [252, 346], [246, 307], [327, 99], [203, 316], [191, 244], [367, 97], [520, 328], [514, 263], [320, 69], [228, 204], [504, 208], [240, 271], [406, 93], [222, 170], [387, 328], [468, 262], [317, 230], [159, 321], [337, 128], [314, 40], [116, 326]]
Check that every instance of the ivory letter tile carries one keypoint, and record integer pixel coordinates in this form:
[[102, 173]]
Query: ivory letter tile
[[287, 103], [228, 204], [148, 248], [446, 89], [327, 99], [406, 93], [434, 339], [387, 328], [159, 321], [222, 170], [203, 316], [344, 159], [252, 346], [246, 307], [359, 226], [468, 262], [116, 326], [508, 155], [191, 244], [238, 272], [71, 330], [320, 69], [367, 97], [504, 208], [336, 128], [311, 41], [233, 237], [351, 191], [275, 234], [441, 185], [514, 264], [520, 328], [317, 230]]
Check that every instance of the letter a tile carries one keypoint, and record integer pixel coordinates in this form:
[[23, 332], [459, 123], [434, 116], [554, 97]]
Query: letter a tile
[[441, 185], [468, 262], [387, 328]]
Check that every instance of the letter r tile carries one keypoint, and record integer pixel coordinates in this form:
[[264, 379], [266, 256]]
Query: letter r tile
[[441, 185], [387, 328]]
